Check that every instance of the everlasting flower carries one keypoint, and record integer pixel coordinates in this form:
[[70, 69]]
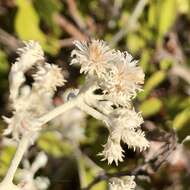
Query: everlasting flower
[[48, 77], [30, 103], [94, 57], [123, 80], [112, 151], [124, 125], [125, 183], [21, 124], [126, 117], [28, 56], [135, 139]]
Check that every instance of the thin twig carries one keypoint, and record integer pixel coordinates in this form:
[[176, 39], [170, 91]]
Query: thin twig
[[181, 71], [9, 41], [22, 147], [68, 42], [69, 27], [131, 23], [75, 14]]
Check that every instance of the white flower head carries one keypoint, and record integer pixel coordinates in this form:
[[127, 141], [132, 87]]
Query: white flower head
[[94, 57], [135, 138], [29, 55], [127, 118], [125, 183], [124, 80], [125, 124], [112, 151], [22, 124], [48, 77]]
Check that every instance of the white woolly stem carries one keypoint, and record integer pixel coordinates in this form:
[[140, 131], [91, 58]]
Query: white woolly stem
[[59, 110], [89, 110], [21, 148], [75, 102]]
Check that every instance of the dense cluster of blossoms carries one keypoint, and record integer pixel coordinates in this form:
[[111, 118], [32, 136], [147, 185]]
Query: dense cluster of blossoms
[[113, 79], [118, 78], [27, 102]]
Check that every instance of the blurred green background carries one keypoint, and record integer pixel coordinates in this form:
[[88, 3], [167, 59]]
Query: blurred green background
[[156, 32]]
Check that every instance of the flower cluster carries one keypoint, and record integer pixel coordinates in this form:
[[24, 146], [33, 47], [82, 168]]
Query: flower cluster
[[113, 79], [28, 103], [118, 78], [125, 183]]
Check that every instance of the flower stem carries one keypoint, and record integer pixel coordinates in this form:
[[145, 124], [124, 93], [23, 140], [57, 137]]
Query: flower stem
[[91, 111], [58, 110], [21, 148]]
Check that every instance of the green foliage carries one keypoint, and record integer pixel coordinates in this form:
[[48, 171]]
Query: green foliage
[[145, 59], [27, 25], [6, 156], [182, 119], [151, 107], [154, 80], [50, 143], [167, 15], [47, 9], [87, 173], [27, 22], [4, 66]]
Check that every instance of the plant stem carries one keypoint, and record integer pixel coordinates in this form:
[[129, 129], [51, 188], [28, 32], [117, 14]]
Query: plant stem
[[58, 110], [21, 148], [91, 111]]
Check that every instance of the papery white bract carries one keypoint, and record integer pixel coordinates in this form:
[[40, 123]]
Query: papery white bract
[[135, 139], [126, 117], [29, 55], [124, 183], [94, 57], [48, 77], [124, 125], [124, 80], [112, 151]]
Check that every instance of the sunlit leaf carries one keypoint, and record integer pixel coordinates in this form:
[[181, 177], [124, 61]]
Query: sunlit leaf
[[46, 10], [152, 14], [167, 15], [183, 6], [181, 119], [135, 42], [144, 61], [154, 80], [151, 107], [52, 144], [6, 156], [27, 22], [4, 66]]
